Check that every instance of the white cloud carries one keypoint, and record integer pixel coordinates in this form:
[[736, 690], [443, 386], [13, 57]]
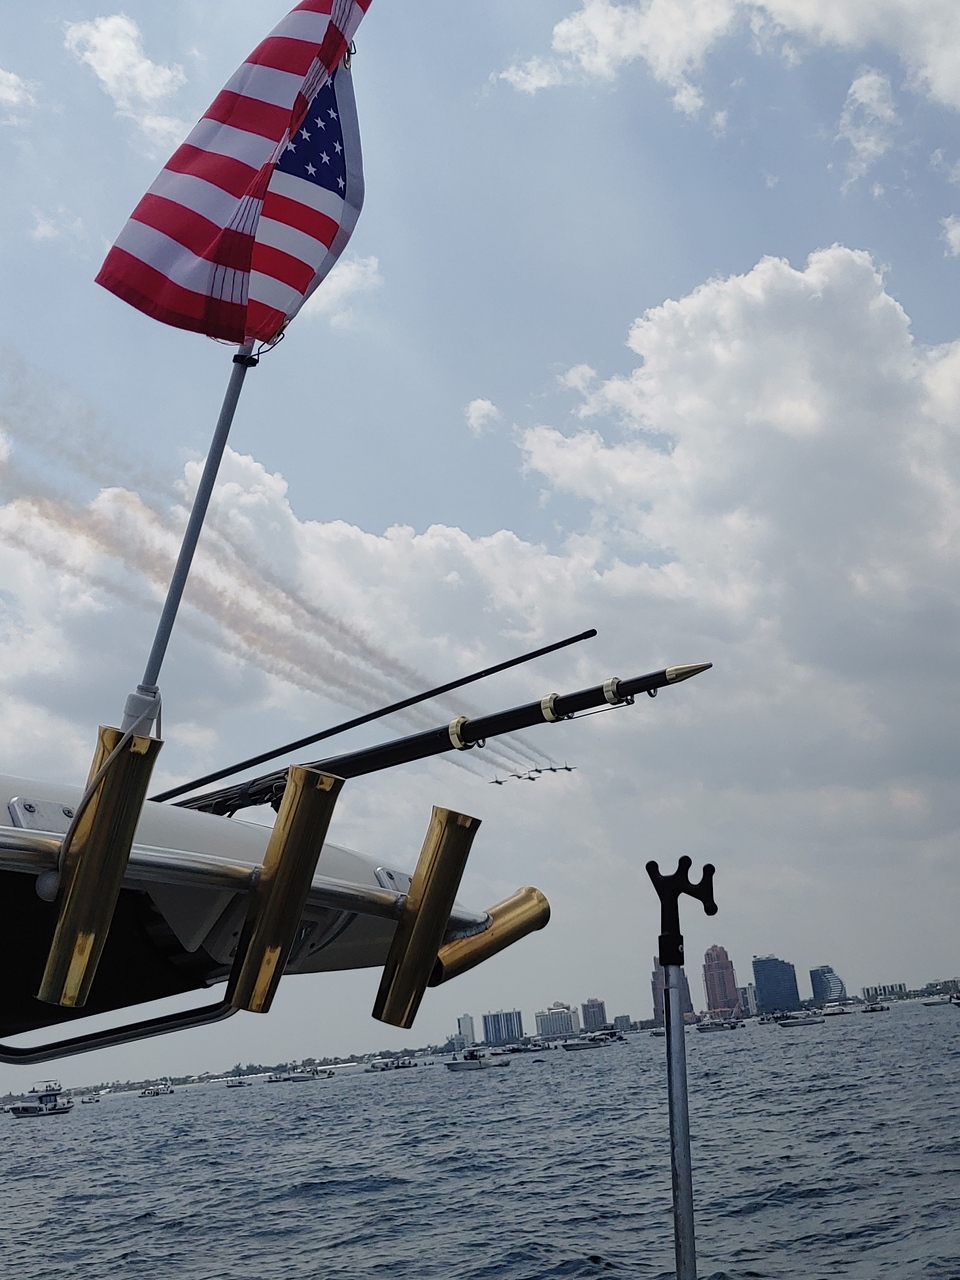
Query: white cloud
[[534, 75], [113, 48], [349, 277], [480, 414], [59, 224], [868, 121], [671, 36], [951, 234], [14, 90], [674, 37]]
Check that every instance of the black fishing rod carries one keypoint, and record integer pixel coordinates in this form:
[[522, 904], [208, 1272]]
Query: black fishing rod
[[412, 701], [460, 734]]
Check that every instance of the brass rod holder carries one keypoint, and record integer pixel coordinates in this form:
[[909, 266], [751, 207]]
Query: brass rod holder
[[93, 866], [524, 912], [413, 951], [281, 893]]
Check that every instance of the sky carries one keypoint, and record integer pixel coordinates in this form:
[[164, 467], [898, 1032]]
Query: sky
[[649, 324]]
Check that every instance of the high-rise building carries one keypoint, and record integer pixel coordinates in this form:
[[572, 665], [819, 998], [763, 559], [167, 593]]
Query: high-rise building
[[889, 991], [748, 999], [776, 982], [656, 984], [623, 1022], [465, 1029], [826, 985], [503, 1027], [558, 1020], [719, 980], [594, 1014]]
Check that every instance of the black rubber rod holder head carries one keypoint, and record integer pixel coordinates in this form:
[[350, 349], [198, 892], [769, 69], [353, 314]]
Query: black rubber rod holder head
[[669, 889]]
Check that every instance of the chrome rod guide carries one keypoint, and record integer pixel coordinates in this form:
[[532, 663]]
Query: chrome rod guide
[[670, 957]]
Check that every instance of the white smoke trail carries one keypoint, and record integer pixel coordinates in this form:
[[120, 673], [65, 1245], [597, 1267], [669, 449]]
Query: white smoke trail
[[250, 623], [236, 596]]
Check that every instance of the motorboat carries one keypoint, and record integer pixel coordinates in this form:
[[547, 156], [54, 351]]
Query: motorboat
[[89, 1098], [46, 1098], [158, 1090], [475, 1060], [833, 1009], [875, 1006], [801, 1020], [934, 1002], [238, 1082], [720, 1024], [595, 1040], [659, 1031], [390, 1064]]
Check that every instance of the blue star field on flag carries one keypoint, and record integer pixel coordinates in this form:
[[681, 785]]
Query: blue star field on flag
[[315, 152]]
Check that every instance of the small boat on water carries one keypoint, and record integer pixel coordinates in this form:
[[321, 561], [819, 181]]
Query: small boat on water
[[874, 1006], [89, 1098], [238, 1082], [44, 1099], [801, 1020], [158, 1090], [595, 1040], [720, 1024], [391, 1064], [934, 1002], [833, 1009], [475, 1060], [659, 1031]]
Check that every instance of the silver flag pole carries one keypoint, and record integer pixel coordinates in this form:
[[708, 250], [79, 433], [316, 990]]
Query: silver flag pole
[[141, 707], [670, 957]]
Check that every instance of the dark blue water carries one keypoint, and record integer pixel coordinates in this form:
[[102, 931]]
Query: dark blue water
[[824, 1151]]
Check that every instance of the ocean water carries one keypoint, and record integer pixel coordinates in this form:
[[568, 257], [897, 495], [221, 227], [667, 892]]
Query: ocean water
[[819, 1152]]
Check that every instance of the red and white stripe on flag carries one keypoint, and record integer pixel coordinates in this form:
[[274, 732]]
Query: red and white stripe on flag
[[233, 237]]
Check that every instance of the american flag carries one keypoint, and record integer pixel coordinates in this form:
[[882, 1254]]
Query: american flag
[[248, 216]]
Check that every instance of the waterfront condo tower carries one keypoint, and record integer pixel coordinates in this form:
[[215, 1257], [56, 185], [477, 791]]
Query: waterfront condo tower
[[594, 1014], [826, 985], [719, 980], [558, 1020], [503, 1027], [465, 1029], [776, 983]]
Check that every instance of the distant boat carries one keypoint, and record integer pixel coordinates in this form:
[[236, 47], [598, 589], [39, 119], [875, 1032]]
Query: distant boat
[[719, 1024], [801, 1019], [238, 1082], [874, 1006], [659, 1031], [475, 1060], [934, 1002], [44, 1099], [158, 1090], [595, 1040], [391, 1064], [833, 1008], [88, 1098]]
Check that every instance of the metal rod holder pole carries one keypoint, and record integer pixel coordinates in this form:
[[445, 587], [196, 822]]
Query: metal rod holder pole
[[681, 1167], [281, 894], [413, 952], [94, 860], [670, 957]]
